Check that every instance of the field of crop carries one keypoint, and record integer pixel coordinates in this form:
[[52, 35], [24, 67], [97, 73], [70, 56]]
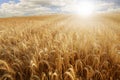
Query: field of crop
[[60, 47]]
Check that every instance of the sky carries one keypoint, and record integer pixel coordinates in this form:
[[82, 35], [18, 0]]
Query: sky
[[10, 8]]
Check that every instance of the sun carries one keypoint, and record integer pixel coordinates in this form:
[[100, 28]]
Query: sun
[[85, 8]]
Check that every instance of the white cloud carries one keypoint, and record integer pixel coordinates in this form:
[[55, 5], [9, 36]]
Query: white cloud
[[22, 8], [36, 7], [104, 6]]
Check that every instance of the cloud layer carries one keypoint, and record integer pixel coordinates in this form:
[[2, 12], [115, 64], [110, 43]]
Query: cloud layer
[[37, 7]]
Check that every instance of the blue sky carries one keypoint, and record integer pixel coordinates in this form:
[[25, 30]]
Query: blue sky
[[6, 1], [2, 1], [35, 7]]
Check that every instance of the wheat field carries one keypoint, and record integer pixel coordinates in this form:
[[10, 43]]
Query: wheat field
[[60, 47]]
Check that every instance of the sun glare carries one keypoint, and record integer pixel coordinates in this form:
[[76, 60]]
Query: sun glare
[[85, 8]]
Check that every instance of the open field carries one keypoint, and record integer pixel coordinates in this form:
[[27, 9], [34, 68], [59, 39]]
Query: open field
[[60, 47]]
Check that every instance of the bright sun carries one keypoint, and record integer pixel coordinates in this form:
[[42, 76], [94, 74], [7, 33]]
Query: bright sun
[[85, 8]]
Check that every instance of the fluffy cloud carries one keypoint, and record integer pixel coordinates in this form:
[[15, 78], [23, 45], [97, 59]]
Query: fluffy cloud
[[23, 8], [36, 7]]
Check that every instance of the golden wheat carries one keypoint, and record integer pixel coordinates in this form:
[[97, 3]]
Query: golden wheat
[[60, 47]]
